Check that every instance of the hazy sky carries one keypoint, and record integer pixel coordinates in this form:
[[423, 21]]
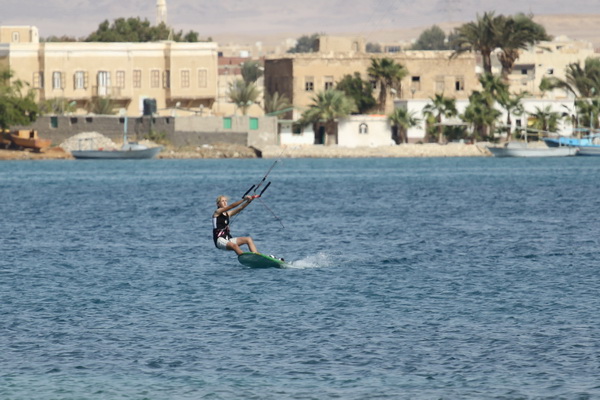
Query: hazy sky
[[213, 17]]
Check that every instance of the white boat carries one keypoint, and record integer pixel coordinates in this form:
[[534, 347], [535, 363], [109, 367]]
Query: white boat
[[589, 151], [129, 151], [522, 149]]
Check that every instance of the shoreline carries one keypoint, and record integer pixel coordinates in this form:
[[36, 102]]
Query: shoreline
[[312, 151]]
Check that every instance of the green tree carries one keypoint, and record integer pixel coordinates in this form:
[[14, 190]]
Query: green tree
[[516, 33], [481, 115], [440, 107], [544, 119], [581, 81], [243, 94], [433, 38], [251, 71], [137, 30], [402, 120], [306, 44], [277, 104], [388, 74], [513, 105], [57, 106], [103, 106], [359, 90], [326, 108], [480, 36], [17, 101]]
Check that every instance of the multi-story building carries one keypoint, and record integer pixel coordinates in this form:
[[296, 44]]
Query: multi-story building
[[546, 59], [300, 76], [176, 75]]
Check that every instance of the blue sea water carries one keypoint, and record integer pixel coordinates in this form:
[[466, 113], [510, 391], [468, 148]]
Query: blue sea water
[[457, 278]]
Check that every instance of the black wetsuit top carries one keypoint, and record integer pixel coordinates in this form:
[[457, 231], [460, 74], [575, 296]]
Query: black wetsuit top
[[221, 227]]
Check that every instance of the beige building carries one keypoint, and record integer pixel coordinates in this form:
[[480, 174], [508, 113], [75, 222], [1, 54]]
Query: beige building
[[301, 76], [19, 34], [546, 59], [176, 75]]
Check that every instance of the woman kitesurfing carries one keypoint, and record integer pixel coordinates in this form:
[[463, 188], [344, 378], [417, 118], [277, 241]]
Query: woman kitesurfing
[[221, 234], [221, 223]]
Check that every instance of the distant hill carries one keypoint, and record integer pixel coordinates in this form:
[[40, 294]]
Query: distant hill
[[578, 27]]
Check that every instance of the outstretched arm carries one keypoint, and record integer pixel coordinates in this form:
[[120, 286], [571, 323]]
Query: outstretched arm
[[242, 204]]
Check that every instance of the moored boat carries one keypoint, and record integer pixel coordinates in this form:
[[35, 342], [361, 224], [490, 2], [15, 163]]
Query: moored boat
[[29, 139], [519, 149], [129, 151]]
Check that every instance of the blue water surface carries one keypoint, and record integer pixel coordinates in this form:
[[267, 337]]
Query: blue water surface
[[447, 278]]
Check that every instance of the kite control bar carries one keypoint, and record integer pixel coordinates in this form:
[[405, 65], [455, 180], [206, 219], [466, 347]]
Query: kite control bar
[[256, 195]]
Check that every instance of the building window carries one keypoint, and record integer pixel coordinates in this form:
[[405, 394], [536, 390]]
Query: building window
[[54, 122], [328, 82], [297, 129], [439, 84], [155, 78], [227, 123], [253, 123], [309, 83], [459, 84], [103, 83], [185, 78], [57, 80], [166, 79], [363, 129], [16, 37], [80, 80], [137, 78], [415, 84], [550, 71], [202, 78], [120, 79]]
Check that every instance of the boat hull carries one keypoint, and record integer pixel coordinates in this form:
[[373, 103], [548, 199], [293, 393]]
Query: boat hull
[[35, 144], [589, 151], [116, 154], [533, 152]]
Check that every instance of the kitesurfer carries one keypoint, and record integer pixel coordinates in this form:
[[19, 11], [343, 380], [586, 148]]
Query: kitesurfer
[[221, 234]]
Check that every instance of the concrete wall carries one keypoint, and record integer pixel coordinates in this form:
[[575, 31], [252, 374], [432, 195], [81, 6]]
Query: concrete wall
[[179, 131]]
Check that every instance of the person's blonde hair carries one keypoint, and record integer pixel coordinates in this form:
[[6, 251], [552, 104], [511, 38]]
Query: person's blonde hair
[[219, 198]]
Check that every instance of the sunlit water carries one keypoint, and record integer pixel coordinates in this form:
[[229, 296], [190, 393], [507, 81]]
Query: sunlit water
[[409, 278]]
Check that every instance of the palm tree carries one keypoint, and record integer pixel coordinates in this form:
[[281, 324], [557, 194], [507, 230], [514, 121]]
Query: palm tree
[[388, 75], [516, 33], [493, 88], [277, 104], [480, 36], [439, 107], [545, 120], [402, 119], [580, 81], [326, 108], [243, 94], [513, 106], [102, 106], [481, 115]]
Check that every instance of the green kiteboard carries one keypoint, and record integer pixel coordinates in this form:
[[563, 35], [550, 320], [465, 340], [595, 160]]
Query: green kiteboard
[[258, 260]]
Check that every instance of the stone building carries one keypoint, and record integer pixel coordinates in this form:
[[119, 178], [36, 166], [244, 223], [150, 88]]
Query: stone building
[[300, 76], [176, 75]]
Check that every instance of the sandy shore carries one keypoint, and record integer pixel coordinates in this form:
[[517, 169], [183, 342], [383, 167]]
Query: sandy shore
[[234, 151]]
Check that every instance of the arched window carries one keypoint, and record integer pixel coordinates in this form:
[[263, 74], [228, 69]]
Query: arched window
[[363, 129]]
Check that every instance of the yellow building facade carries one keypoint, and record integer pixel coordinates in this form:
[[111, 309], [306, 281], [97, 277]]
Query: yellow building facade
[[301, 76], [176, 75]]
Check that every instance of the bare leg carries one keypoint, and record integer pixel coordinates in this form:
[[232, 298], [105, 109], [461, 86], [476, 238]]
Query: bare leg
[[241, 241]]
